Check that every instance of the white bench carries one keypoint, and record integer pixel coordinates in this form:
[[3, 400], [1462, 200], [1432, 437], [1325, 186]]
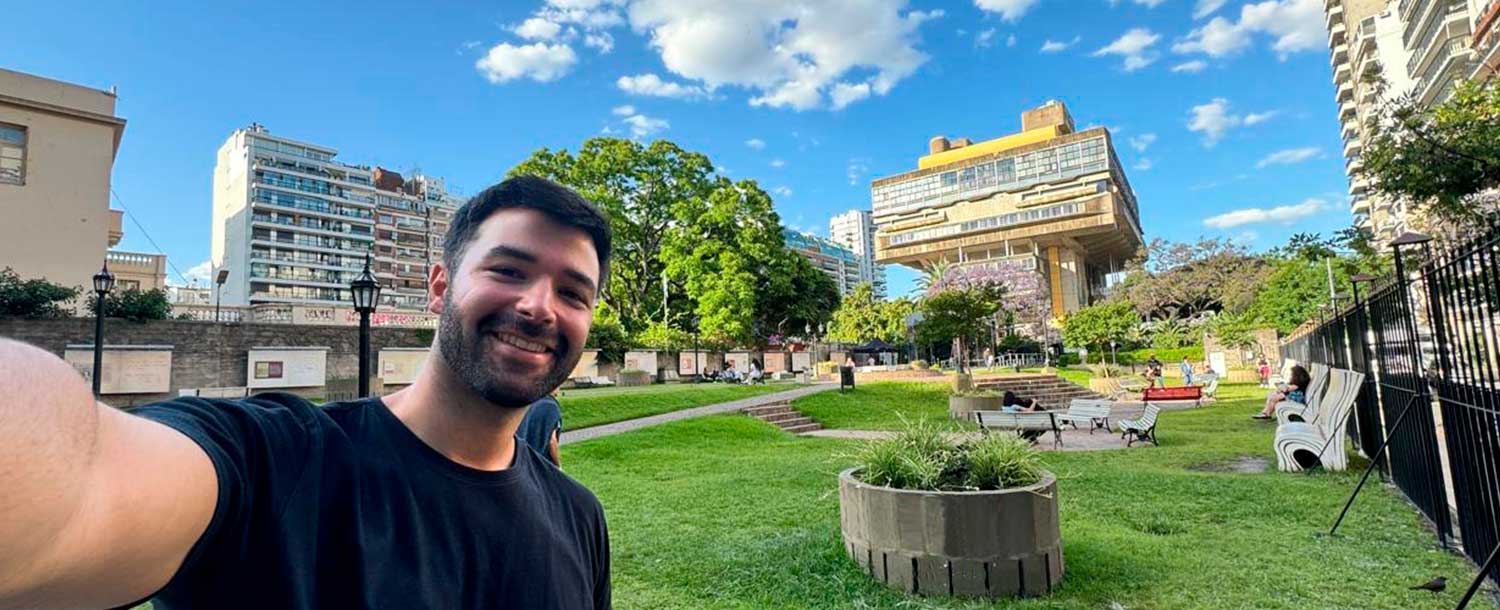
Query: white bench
[[1039, 422], [1301, 445], [1290, 411], [1095, 412], [1141, 429]]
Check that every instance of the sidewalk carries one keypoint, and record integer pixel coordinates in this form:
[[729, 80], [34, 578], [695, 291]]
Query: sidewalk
[[573, 436]]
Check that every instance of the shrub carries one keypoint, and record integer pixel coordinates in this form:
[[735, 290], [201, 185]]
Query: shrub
[[917, 365], [827, 368], [662, 337], [921, 457], [135, 305], [34, 298]]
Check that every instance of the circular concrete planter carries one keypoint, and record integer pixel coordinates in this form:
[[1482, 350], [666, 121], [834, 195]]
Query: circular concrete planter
[[963, 407], [998, 543]]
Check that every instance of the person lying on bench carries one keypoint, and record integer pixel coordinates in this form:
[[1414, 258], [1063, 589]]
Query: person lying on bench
[[1295, 391], [1015, 404]]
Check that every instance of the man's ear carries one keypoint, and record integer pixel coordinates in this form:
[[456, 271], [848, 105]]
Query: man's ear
[[437, 287]]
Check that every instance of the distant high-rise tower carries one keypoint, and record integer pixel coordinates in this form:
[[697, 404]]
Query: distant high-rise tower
[[855, 230]]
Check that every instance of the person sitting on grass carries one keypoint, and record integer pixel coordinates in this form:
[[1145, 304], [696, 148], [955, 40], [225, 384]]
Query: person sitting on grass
[[730, 375], [1295, 391], [755, 375]]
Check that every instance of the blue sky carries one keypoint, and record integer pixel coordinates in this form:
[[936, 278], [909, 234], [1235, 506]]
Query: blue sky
[[1224, 111]]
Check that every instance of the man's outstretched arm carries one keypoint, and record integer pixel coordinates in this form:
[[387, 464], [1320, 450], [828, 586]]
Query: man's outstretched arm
[[98, 508]]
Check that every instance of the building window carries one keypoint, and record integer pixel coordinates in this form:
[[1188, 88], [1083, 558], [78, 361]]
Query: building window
[[12, 154]]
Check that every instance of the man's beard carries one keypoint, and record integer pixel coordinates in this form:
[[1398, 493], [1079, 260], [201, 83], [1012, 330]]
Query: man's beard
[[468, 356]]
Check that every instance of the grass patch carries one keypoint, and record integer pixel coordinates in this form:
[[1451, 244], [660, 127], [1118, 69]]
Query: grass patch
[[596, 406], [726, 512], [880, 405]]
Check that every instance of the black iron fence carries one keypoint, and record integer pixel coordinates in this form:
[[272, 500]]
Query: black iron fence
[[1428, 340]]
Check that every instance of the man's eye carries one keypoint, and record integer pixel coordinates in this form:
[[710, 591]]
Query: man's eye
[[507, 272]]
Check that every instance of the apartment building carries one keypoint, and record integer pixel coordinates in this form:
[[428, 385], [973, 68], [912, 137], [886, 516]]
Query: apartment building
[[292, 224], [855, 230]]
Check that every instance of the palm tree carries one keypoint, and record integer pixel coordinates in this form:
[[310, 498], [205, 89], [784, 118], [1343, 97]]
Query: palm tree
[[933, 274]]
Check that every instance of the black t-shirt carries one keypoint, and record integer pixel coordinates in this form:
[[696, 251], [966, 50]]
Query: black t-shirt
[[344, 507]]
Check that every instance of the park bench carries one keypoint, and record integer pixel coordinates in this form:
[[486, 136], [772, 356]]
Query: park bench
[[1141, 429], [1302, 445], [1039, 422], [1187, 392], [1092, 411], [1291, 411]]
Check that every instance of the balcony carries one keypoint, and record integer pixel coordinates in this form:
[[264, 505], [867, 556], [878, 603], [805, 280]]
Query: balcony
[[1348, 111], [1334, 15], [1342, 73], [1352, 147], [1346, 91], [141, 271], [1337, 33], [1360, 205], [1350, 130], [1354, 166], [1340, 54], [1358, 186]]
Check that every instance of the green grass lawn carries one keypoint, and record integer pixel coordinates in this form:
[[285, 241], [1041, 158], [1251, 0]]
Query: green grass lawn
[[879, 405], [592, 407], [728, 512]]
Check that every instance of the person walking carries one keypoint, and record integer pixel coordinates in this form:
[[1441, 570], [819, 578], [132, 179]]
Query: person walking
[[1187, 371]]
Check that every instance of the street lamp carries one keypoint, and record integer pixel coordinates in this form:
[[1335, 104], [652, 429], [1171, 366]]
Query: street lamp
[[697, 372], [104, 281], [364, 291], [219, 279]]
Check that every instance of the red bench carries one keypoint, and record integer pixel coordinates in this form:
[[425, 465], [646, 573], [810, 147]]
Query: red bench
[[1191, 392]]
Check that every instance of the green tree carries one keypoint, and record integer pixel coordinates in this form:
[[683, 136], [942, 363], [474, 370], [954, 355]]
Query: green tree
[[33, 298], [1181, 280], [663, 337], [718, 249], [1293, 292], [1440, 158], [859, 317], [1093, 327], [135, 305], [607, 335], [639, 187], [791, 295], [958, 315]]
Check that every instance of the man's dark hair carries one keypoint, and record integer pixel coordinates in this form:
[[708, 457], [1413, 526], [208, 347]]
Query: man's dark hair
[[557, 202]]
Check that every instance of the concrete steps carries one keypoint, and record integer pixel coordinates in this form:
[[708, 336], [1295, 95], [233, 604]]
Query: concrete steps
[[1051, 391], [783, 416]]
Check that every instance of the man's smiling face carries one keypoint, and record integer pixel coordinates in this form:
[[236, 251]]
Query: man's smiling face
[[516, 311]]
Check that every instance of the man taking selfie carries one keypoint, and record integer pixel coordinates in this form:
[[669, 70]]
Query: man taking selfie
[[419, 499]]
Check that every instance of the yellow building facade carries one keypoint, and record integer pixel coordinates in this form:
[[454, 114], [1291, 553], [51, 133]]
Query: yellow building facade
[[1049, 199]]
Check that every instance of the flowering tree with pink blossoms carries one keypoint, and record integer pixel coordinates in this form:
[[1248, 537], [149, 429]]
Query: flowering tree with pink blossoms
[[958, 300]]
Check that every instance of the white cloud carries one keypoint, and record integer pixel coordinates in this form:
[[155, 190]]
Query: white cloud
[[1149, 3], [540, 62], [1194, 66], [537, 28], [1213, 120], [1141, 142], [856, 171], [1290, 156], [844, 94], [756, 144], [985, 39], [642, 126], [652, 85], [200, 274], [1256, 118], [1134, 46], [789, 53], [1205, 8], [1284, 214], [626, 110], [601, 41], [1009, 10], [781, 191], [1143, 164], [1054, 46], [1010, 40], [1296, 25], [778, 163]]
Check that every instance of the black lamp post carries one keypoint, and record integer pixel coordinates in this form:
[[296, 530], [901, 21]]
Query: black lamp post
[[104, 281], [365, 292], [697, 372]]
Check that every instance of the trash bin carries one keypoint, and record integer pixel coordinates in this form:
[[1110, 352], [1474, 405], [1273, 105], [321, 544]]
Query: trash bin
[[846, 377]]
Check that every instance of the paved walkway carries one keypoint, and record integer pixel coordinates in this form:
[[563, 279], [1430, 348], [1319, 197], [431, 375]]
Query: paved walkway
[[1072, 440], [573, 436]]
